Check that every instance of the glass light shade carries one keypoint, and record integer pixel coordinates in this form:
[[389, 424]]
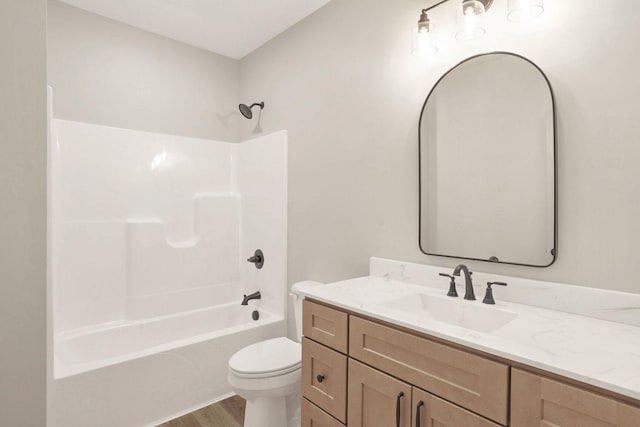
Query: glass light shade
[[470, 23], [473, 7], [524, 10], [424, 42]]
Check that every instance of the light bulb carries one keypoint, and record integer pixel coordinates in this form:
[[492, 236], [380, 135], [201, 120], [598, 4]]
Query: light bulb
[[470, 21], [424, 40], [424, 43], [524, 10]]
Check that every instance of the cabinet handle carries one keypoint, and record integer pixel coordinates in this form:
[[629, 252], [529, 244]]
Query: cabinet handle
[[400, 395], [420, 404], [320, 378]]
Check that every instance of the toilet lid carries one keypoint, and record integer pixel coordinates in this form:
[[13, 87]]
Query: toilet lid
[[267, 358]]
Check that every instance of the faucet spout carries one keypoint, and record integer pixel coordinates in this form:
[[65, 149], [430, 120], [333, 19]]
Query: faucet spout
[[247, 298], [468, 283]]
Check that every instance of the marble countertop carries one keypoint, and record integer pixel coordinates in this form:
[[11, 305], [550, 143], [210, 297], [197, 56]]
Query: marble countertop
[[599, 352]]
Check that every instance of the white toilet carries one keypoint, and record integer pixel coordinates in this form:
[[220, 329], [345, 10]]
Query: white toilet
[[267, 374]]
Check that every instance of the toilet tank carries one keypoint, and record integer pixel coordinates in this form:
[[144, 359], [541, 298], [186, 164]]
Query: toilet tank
[[297, 303]]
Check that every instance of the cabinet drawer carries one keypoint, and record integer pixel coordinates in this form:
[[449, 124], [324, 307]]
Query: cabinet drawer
[[312, 416], [468, 380], [437, 412], [325, 325], [324, 378], [537, 401]]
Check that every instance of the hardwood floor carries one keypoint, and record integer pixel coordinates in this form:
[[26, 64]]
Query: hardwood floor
[[227, 413]]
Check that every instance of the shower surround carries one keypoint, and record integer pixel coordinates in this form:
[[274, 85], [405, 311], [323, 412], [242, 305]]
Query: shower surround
[[150, 235]]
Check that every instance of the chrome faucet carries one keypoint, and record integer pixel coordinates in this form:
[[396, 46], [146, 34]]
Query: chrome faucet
[[468, 283], [247, 298]]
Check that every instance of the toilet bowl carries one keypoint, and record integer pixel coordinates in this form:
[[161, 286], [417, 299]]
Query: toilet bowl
[[267, 374]]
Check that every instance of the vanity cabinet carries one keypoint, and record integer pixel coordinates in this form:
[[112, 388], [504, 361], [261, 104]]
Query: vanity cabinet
[[362, 373]]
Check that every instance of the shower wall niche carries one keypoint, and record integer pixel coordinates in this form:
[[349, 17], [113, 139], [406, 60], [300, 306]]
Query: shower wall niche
[[149, 225]]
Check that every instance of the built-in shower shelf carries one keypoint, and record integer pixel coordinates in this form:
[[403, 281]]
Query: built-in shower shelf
[[212, 212]]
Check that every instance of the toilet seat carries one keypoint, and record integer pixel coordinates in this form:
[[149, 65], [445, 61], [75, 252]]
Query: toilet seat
[[270, 358]]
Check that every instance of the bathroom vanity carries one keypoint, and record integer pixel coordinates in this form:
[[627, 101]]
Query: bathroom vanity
[[377, 352]]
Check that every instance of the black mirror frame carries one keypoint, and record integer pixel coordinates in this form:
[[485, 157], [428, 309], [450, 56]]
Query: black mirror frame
[[554, 250]]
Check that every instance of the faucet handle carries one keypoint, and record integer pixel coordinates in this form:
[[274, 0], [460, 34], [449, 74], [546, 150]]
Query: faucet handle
[[488, 297], [452, 285], [496, 283], [257, 259]]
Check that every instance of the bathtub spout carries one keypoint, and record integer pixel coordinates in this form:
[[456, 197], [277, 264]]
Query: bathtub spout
[[247, 298]]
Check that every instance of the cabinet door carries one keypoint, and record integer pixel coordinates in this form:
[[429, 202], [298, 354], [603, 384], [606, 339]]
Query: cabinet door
[[537, 401], [429, 410], [376, 399]]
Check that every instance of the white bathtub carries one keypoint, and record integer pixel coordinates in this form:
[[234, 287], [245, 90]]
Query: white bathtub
[[143, 373], [86, 349]]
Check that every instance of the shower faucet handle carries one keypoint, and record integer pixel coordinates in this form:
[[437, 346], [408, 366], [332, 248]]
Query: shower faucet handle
[[257, 259]]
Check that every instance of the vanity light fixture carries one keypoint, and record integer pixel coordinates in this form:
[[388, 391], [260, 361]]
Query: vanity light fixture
[[470, 19], [424, 41], [524, 10]]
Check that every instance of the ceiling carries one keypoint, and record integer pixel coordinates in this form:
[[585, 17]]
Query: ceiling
[[233, 28]]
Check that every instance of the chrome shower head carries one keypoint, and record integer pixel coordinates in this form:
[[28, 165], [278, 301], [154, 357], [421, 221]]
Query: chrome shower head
[[246, 110]]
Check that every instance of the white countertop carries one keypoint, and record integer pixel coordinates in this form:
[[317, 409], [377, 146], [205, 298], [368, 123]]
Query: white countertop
[[602, 353]]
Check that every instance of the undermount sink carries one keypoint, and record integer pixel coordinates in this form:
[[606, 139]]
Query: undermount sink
[[454, 311]]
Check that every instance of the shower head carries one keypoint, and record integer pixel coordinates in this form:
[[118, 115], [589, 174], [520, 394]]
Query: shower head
[[246, 110]]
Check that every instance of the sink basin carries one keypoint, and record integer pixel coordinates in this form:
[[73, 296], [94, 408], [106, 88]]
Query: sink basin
[[454, 311]]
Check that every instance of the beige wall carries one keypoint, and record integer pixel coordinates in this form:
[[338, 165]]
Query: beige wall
[[109, 73], [343, 83], [23, 212]]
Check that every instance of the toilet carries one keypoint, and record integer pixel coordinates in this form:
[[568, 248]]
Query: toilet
[[267, 374]]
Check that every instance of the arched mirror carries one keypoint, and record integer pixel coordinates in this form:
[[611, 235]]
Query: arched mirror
[[487, 163]]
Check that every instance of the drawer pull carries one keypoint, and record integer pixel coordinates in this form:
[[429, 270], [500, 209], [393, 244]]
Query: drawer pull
[[400, 396], [320, 378], [420, 405]]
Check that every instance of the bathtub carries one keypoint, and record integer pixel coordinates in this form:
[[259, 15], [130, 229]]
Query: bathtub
[[91, 348], [146, 372]]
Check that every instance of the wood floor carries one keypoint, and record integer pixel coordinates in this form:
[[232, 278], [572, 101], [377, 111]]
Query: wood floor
[[228, 413]]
